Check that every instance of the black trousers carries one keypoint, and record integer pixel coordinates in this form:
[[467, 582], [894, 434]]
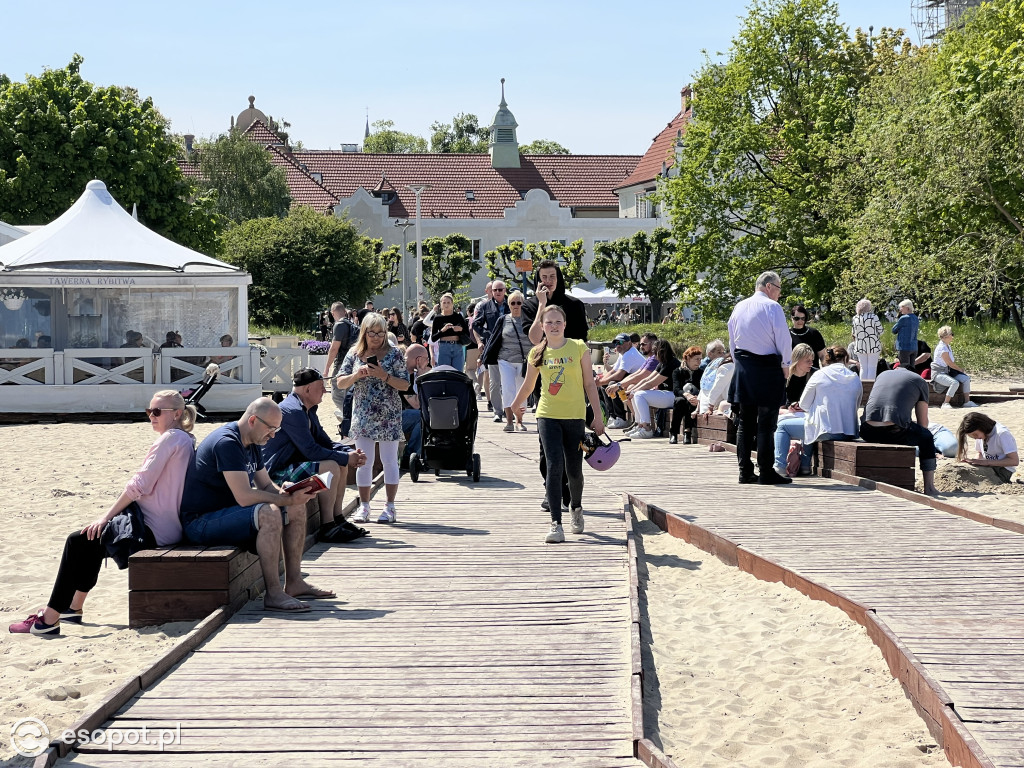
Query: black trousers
[[565, 480], [614, 408], [80, 567], [756, 427], [682, 413]]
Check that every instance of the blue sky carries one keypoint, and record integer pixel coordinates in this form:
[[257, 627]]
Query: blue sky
[[596, 76]]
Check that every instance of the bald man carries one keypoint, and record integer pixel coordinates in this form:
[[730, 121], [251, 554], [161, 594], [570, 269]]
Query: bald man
[[417, 362], [229, 498]]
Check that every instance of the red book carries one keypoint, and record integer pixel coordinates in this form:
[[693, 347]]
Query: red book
[[316, 483]]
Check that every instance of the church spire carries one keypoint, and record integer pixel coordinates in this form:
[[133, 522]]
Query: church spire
[[504, 146]]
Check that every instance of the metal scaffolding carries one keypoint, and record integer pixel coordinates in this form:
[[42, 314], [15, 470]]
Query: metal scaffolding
[[933, 17]]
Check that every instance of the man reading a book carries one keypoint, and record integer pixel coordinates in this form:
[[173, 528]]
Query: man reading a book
[[229, 498], [301, 449]]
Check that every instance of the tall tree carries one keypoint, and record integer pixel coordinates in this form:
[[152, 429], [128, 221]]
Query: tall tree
[[239, 175], [389, 262], [299, 263], [543, 147], [448, 265], [385, 140], [642, 264], [501, 262], [755, 168], [59, 131], [464, 134]]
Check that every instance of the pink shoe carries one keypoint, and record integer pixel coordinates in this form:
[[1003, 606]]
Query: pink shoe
[[35, 625]]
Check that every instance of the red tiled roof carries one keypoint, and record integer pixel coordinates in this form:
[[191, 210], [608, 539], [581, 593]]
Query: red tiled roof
[[575, 181], [662, 151], [261, 134], [304, 189]]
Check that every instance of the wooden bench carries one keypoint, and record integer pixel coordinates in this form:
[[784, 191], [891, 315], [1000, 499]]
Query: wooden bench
[[935, 399], [892, 464], [715, 428], [188, 582]]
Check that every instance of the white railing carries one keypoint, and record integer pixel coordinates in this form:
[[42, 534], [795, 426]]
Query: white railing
[[186, 365], [278, 367], [107, 366], [26, 366]]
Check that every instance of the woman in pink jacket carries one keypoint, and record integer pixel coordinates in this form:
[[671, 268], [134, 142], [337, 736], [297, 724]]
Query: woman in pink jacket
[[156, 487]]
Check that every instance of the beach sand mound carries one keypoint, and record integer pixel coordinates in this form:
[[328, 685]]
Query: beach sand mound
[[959, 478]]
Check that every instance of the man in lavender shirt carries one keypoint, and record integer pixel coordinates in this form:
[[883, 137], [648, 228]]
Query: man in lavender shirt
[[761, 349]]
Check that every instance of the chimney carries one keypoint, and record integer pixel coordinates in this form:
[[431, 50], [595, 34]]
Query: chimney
[[189, 138], [685, 96]]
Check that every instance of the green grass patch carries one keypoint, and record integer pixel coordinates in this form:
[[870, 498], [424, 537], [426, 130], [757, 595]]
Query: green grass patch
[[983, 347]]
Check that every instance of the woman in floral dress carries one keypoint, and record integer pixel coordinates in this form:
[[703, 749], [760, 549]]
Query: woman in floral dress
[[376, 372]]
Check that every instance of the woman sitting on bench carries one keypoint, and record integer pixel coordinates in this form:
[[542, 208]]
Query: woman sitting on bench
[[996, 447], [829, 404], [156, 487]]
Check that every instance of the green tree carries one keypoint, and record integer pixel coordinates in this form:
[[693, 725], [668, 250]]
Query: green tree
[[448, 265], [389, 262], [239, 175], [300, 263], [385, 140], [464, 134], [59, 131], [543, 147], [501, 262], [934, 191], [643, 264], [755, 168]]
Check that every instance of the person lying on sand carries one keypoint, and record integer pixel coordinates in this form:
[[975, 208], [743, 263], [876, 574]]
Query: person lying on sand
[[156, 488], [230, 499]]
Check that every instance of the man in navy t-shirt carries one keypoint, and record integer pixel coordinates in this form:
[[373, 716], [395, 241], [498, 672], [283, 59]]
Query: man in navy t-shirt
[[229, 498]]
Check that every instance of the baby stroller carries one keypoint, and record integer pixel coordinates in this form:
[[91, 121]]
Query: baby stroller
[[448, 415], [193, 396]]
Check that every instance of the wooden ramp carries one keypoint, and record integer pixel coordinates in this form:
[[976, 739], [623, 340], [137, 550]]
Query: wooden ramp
[[459, 639], [950, 589]]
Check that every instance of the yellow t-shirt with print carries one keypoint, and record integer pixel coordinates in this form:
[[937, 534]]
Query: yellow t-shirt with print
[[561, 382]]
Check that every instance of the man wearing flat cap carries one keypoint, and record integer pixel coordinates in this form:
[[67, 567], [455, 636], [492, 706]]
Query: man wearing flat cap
[[301, 449]]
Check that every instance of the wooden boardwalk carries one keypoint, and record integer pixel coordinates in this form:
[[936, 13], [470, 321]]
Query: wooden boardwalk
[[458, 639], [950, 589]]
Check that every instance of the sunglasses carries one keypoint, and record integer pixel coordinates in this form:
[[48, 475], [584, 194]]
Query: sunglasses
[[515, 303], [376, 334], [799, 317], [157, 411], [273, 430]]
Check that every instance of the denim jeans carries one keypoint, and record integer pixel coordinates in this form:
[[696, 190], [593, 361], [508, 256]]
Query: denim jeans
[[451, 354], [793, 429], [412, 428]]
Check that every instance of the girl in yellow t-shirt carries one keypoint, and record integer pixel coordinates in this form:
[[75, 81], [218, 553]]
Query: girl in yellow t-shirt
[[567, 383]]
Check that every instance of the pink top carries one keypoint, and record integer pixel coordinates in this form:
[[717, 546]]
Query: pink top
[[158, 484]]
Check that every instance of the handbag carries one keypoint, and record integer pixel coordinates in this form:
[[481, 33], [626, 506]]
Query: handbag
[[519, 339], [125, 534]]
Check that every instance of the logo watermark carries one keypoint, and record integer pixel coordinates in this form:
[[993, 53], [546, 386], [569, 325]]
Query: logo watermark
[[30, 737]]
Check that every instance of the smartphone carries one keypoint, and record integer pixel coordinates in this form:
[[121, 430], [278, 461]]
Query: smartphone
[[372, 360]]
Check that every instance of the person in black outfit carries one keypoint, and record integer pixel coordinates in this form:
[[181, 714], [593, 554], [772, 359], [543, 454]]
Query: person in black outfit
[[802, 333], [686, 386], [397, 327]]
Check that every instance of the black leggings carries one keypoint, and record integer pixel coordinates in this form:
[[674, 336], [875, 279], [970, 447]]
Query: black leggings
[[560, 440], [80, 567]]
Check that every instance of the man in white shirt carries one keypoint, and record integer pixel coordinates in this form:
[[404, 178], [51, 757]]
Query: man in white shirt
[[761, 350], [629, 361]]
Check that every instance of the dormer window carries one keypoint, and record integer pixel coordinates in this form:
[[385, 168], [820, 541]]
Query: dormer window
[[387, 198], [470, 195]]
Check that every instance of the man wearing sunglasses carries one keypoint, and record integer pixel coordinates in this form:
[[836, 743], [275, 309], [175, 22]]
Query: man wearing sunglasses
[[230, 499], [488, 314], [302, 449]]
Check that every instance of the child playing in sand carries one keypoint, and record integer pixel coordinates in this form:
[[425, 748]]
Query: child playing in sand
[[995, 445], [156, 488]]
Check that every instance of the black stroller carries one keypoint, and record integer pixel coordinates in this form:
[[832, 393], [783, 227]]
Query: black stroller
[[193, 396], [448, 417]]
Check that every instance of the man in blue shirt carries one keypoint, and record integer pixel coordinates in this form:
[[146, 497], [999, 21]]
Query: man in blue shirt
[[302, 449], [761, 350], [229, 498]]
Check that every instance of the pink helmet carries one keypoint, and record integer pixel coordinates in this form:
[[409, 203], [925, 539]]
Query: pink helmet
[[599, 455]]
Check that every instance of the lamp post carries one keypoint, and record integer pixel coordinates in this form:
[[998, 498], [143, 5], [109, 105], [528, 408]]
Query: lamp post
[[419, 189], [404, 226]]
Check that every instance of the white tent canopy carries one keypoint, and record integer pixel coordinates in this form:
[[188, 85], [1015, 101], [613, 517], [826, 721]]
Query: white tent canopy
[[605, 296], [96, 230]]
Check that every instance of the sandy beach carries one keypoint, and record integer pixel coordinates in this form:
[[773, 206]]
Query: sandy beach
[[707, 623]]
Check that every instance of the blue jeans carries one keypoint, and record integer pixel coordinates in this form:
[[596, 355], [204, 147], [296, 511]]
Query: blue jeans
[[412, 428], [453, 354], [793, 429]]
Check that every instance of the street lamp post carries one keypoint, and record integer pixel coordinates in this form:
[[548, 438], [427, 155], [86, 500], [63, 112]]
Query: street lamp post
[[404, 226], [419, 189]]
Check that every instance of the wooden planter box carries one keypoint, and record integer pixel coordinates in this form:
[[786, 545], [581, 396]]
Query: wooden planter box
[[715, 429], [892, 464]]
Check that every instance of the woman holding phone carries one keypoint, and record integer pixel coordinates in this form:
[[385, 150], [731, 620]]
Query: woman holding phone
[[376, 372], [567, 383]]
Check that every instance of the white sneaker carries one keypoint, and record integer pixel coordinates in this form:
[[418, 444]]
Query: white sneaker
[[641, 433], [629, 432], [388, 515], [576, 520], [970, 404], [363, 515], [947, 407], [555, 535], [617, 423]]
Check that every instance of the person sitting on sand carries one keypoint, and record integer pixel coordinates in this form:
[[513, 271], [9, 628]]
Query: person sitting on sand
[[896, 395], [301, 449], [230, 499], [156, 488], [995, 445]]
